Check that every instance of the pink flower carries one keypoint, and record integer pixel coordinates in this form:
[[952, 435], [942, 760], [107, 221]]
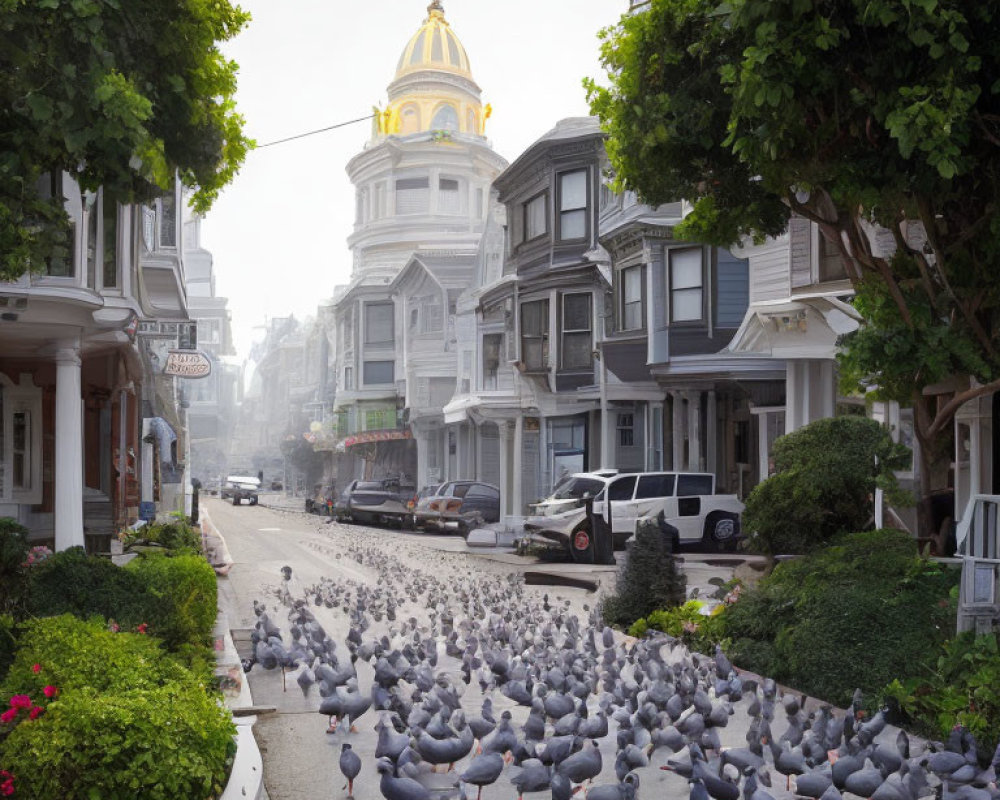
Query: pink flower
[[50, 691], [36, 668], [142, 628], [20, 701], [8, 716], [33, 714]]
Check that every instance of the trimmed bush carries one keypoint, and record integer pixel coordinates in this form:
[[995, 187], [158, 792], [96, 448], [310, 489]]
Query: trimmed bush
[[860, 613], [157, 744], [71, 582], [824, 484], [75, 654], [700, 632], [180, 601], [650, 579]]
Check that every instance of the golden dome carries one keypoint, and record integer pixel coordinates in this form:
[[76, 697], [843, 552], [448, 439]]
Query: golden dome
[[434, 46]]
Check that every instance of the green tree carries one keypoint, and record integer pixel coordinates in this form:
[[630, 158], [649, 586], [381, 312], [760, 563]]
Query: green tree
[[824, 484], [120, 94], [848, 113]]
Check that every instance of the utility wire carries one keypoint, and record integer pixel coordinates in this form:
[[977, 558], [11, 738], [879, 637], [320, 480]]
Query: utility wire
[[313, 133]]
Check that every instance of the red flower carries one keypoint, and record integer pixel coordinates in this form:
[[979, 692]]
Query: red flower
[[20, 701], [33, 714], [7, 786], [50, 691], [8, 716], [141, 628], [36, 668]]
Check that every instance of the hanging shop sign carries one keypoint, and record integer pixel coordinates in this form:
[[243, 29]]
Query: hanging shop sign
[[187, 364]]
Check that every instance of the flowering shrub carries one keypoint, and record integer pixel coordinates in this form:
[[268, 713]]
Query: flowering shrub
[[700, 632], [36, 555], [6, 783]]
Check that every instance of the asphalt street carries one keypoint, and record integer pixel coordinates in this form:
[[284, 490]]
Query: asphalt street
[[300, 757]]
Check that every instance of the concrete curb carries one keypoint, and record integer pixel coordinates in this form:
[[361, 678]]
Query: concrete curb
[[215, 546]]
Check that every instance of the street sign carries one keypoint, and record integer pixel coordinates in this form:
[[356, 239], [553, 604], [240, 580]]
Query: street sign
[[188, 364]]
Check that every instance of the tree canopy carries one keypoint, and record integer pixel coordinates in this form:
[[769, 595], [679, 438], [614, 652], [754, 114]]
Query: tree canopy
[[122, 94], [851, 113]]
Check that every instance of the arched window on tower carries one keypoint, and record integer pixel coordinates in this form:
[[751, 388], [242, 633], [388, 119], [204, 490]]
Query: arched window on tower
[[470, 121], [445, 119], [409, 119]]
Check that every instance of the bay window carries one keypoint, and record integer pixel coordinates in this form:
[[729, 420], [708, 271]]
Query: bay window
[[534, 217], [630, 294], [379, 323]]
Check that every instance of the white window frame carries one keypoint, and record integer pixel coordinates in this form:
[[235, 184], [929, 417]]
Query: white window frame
[[673, 289], [564, 210], [21, 398]]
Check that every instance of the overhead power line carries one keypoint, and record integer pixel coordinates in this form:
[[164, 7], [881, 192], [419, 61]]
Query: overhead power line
[[313, 133]]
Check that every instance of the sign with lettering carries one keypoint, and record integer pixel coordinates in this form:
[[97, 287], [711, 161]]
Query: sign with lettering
[[188, 364]]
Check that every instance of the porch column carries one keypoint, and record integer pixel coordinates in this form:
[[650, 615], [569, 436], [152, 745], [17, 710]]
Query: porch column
[[506, 430], [518, 473], [69, 448], [711, 433], [694, 432], [793, 401], [762, 454], [677, 431]]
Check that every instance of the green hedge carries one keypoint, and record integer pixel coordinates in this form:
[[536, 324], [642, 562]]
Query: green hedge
[[180, 597], [174, 596], [157, 744], [13, 552], [860, 613], [76, 654], [128, 720], [177, 536]]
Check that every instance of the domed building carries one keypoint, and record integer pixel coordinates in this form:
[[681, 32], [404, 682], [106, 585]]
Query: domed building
[[423, 183]]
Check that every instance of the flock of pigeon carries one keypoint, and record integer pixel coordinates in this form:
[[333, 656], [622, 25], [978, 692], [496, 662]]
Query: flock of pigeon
[[470, 679]]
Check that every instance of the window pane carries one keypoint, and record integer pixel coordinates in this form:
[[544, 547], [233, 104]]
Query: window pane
[[573, 224], [655, 486], [168, 221], [622, 489], [576, 350], [448, 196], [534, 317], [685, 304], [446, 119], [632, 284], [632, 318], [536, 353], [534, 217], [576, 312], [378, 323], [693, 485], [573, 190], [685, 268], [378, 372], [92, 232], [412, 195], [20, 450]]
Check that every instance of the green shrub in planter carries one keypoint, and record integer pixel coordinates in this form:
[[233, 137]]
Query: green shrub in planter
[[859, 613], [826, 475], [700, 632], [74, 654], [71, 582], [181, 597], [156, 744]]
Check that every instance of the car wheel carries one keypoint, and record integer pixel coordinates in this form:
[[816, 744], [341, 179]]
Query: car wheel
[[581, 545], [720, 531]]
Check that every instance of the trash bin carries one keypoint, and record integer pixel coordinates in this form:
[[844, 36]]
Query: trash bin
[[603, 543]]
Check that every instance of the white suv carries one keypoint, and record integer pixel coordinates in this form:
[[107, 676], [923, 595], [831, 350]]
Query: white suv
[[687, 500]]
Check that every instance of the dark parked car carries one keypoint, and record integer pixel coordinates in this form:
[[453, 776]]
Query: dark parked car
[[459, 506], [379, 502]]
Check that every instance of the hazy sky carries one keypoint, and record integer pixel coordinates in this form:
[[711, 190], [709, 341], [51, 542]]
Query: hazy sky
[[278, 233]]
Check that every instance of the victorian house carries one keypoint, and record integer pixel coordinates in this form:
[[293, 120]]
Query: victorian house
[[80, 379], [423, 188]]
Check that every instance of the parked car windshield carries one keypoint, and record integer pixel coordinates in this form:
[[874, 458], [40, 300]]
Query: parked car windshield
[[576, 488]]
